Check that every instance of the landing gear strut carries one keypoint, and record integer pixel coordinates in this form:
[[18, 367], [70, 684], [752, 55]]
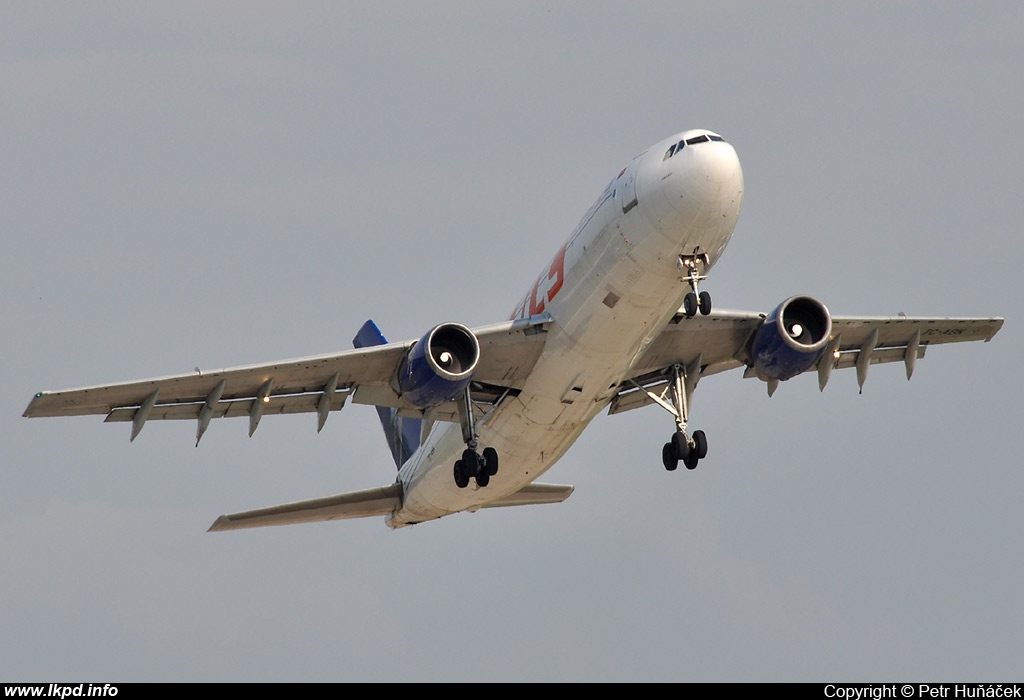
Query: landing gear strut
[[695, 265], [681, 446], [473, 464]]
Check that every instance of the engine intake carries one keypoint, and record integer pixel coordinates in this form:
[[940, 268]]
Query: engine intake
[[439, 366], [791, 339]]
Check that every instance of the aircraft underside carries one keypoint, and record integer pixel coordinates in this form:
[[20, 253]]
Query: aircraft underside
[[617, 319]]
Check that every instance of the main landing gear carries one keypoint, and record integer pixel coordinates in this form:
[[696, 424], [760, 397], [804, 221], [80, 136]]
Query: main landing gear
[[689, 450], [693, 265], [675, 399], [473, 464]]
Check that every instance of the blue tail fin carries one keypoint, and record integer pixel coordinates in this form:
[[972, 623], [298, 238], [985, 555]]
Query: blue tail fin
[[403, 434]]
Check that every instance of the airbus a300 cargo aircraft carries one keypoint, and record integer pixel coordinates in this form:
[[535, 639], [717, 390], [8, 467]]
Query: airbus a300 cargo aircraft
[[617, 319]]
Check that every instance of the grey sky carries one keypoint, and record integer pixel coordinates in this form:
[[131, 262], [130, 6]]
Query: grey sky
[[213, 184]]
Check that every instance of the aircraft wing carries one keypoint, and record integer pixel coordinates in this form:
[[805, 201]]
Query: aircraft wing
[[318, 384], [718, 342]]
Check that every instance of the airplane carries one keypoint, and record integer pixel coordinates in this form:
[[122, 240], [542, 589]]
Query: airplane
[[616, 320]]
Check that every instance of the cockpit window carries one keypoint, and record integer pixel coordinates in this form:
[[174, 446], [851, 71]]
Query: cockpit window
[[703, 138]]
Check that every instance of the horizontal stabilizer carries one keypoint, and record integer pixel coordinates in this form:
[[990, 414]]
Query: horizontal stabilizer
[[357, 504], [534, 494]]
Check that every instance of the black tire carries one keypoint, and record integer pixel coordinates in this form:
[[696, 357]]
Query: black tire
[[691, 460], [690, 305], [680, 445], [490, 461], [470, 462], [700, 444], [482, 478], [668, 457], [461, 480], [704, 303]]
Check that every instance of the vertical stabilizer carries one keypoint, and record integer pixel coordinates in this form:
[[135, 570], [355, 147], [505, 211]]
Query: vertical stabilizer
[[403, 434]]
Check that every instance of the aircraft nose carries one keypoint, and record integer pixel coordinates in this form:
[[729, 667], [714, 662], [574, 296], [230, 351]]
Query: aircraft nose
[[716, 162], [702, 173]]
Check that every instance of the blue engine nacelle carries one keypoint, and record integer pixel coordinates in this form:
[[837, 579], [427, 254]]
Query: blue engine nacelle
[[439, 366], [791, 338]]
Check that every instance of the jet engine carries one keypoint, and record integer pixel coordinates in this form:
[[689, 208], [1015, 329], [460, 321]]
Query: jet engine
[[791, 338], [439, 366]]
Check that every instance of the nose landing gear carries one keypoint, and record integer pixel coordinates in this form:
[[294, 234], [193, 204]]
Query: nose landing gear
[[694, 266]]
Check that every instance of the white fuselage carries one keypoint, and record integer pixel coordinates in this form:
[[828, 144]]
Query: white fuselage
[[609, 291]]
